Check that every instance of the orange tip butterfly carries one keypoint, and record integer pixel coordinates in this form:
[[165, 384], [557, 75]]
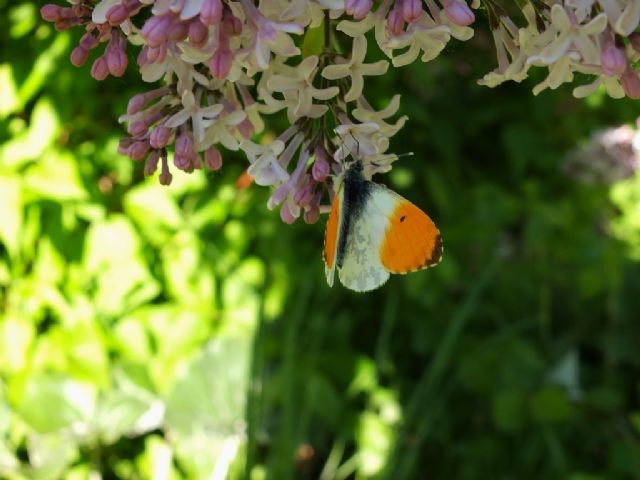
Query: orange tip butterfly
[[373, 232]]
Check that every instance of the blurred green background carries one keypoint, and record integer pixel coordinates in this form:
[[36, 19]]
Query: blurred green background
[[186, 332]]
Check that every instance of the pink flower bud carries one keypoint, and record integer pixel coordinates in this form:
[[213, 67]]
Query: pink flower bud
[[100, 69], [303, 196], [231, 25], [51, 13], [184, 144], [138, 128], [117, 14], [631, 83], [220, 63], [198, 33], [459, 13], [88, 41], [613, 59], [320, 168], [124, 144], [245, 127], [411, 10], [211, 12], [155, 30], [160, 136], [286, 215], [213, 158], [358, 8], [183, 162], [142, 56], [165, 174], [151, 164], [395, 21], [634, 38], [312, 214], [136, 103], [117, 61], [138, 150], [157, 54], [79, 56], [177, 31]]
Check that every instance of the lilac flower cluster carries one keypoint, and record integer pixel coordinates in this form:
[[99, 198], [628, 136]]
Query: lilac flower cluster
[[220, 66]]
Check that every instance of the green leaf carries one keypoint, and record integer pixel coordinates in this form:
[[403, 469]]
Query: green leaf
[[34, 143], [508, 409], [551, 405], [11, 208], [9, 102], [313, 42], [16, 337], [73, 403]]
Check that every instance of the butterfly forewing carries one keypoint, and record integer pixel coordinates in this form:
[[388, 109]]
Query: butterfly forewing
[[411, 240], [331, 238]]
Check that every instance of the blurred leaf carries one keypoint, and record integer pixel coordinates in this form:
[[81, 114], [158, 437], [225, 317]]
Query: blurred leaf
[[8, 93], [11, 208], [23, 19], [33, 144], [550, 405], [73, 402], [509, 410], [114, 259], [313, 42], [16, 336]]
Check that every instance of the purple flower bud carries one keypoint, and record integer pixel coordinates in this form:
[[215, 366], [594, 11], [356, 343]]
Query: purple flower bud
[[198, 33], [117, 60], [136, 103], [411, 10], [100, 69], [138, 150], [213, 158], [220, 63], [613, 59], [151, 164], [459, 13], [51, 13], [183, 162], [231, 25], [630, 83], [79, 56], [395, 21], [320, 168], [143, 58], [312, 214], [155, 30], [165, 174], [160, 136], [88, 41], [184, 144], [286, 215], [138, 128], [117, 14], [634, 38], [124, 144], [303, 195], [177, 31], [211, 12], [245, 127], [358, 8], [157, 54]]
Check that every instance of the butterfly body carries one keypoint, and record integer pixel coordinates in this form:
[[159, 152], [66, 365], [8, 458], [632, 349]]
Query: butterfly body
[[373, 232]]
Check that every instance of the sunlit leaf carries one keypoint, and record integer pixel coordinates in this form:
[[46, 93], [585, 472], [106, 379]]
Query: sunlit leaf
[[11, 199], [35, 142], [16, 337], [73, 402], [8, 94]]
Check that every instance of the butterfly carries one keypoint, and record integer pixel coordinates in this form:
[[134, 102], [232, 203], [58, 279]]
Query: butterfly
[[372, 232]]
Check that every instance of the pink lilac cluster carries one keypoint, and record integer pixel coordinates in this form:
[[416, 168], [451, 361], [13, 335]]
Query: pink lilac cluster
[[219, 66]]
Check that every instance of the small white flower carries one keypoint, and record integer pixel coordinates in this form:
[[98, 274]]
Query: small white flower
[[194, 112], [299, 80], [355, 68]]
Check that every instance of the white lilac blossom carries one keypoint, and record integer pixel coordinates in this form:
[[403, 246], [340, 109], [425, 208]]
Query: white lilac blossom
[[218, 68]]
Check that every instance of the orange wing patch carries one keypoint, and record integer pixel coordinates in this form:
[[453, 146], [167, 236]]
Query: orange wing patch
[[411, 242], [331, 233]]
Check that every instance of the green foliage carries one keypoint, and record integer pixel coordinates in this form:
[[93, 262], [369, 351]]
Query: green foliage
[[186, 330]]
